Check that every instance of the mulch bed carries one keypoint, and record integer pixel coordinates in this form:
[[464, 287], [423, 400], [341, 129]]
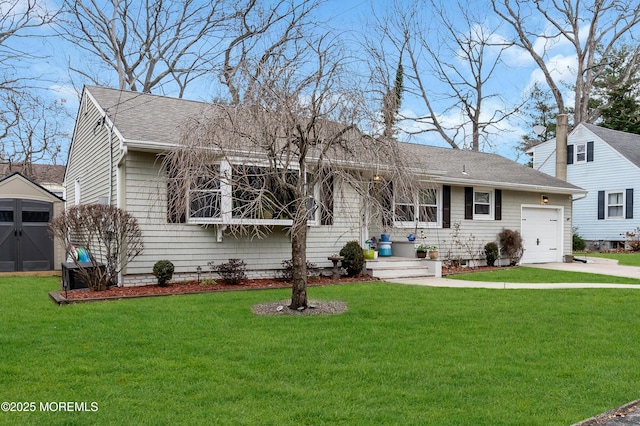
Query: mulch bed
[[189, 287]]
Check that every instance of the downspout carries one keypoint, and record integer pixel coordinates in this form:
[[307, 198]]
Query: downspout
[[110, 138]]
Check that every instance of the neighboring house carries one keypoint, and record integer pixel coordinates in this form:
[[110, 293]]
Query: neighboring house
[[115, 157], [26, 208], [606, 163]]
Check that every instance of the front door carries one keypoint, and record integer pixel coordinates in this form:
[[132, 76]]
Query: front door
[[25, 242]]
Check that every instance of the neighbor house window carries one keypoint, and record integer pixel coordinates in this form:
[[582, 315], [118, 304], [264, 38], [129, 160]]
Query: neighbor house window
[[615, 205], [420, 208], [581, 153]]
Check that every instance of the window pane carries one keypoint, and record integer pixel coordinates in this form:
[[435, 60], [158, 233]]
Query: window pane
[[428, 197], [35, 216], [428, 214], [204, 204], [615, 211], [405, 213], [615, 198], [482, 209], [482, 197], [6, 215]]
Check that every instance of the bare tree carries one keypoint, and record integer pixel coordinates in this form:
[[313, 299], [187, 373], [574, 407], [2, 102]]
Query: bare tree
[[149, 44], [110, 235], [589, 27], [462, 55], [32, 129], [155, 44], [275, 157]]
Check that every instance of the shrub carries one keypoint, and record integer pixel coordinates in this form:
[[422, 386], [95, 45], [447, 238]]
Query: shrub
[[633, 239], [232, 272], [286, 273], [578, 241], [511, 242], [353, 258], [491, 252], [112, 236], [163, 271]]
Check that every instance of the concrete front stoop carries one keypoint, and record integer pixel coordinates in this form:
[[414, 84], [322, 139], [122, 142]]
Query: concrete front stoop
[[403, 267]]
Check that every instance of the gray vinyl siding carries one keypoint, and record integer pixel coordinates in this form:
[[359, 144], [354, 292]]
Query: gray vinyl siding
[[89, 157], [480, 232], [189, 246]]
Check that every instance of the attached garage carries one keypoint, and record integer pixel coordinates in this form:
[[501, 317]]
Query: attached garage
[[542, 231], [26, 209]]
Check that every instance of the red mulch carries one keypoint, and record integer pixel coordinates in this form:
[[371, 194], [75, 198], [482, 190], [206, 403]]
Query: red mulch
[[194, 287]]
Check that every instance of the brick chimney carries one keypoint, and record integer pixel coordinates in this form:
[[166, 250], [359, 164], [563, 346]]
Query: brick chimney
[[562, 129]]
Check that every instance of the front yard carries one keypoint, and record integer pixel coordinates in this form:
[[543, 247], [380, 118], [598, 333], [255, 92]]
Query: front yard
[[399, 355]]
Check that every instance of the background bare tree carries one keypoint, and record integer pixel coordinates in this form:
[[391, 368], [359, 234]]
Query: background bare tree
[[30, 126], [148, 44], [593, 29], [278, 154], [457, 51], [165, 45], [33, 130]]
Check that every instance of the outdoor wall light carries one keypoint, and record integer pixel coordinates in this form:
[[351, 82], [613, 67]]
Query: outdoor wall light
[[377, 178], [544, 199]]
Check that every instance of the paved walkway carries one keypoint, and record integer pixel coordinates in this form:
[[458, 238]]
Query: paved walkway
[[594, 265]]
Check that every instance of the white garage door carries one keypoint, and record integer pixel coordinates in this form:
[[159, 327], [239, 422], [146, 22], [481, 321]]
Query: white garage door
[[541, 234]]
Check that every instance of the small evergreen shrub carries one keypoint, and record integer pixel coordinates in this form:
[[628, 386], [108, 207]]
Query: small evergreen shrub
[[286, 273], [163, 271], [511, 242], [491, 253], [353, 258], [578, 241], [232, 272]]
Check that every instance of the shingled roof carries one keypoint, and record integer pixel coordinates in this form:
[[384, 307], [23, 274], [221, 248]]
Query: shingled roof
[[627, 144], [42, 174], [153, 119]]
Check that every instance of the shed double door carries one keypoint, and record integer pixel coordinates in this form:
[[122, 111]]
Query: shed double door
[[25, 241]]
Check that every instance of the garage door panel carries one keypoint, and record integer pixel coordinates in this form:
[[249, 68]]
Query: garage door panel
[[541, 234]]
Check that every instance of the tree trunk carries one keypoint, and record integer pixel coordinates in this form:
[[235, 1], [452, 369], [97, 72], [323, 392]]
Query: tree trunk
[[299, 254]]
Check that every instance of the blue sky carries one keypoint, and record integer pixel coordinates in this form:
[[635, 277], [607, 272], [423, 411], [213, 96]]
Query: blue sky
[[351, 19]]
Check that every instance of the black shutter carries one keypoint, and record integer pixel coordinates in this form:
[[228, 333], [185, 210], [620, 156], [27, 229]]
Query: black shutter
[[446, 206], [600, 205], [589, 151], [569, 154], [468, 202], [176, 197], [628, 214], [498, 205], [326, 198]]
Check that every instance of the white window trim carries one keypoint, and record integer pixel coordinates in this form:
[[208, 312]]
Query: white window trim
[[492, 198], [575, 153], [607, 205], [416, 205], [226, 204]]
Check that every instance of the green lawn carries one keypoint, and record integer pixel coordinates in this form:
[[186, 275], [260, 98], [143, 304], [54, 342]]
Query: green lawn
[[524, 274], [401, 355], [628, 259]]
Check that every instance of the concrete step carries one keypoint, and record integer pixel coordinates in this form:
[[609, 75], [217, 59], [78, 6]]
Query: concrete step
[[396, 267]]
